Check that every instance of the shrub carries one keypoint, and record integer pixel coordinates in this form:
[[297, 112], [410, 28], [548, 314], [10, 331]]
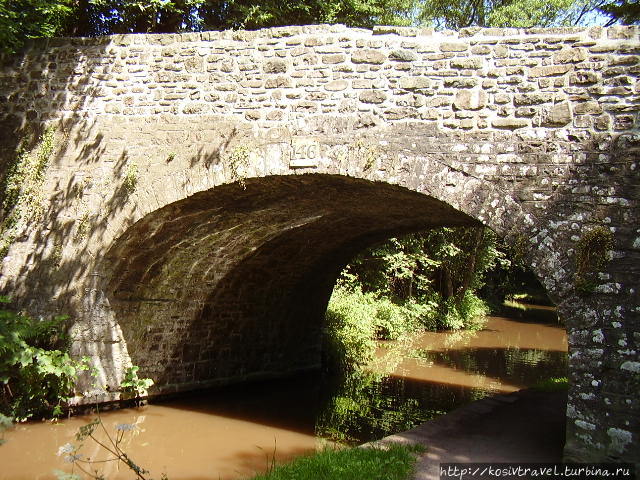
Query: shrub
[[392, 321], [467, 313], [354, 320], [349, 329], [36, 378]]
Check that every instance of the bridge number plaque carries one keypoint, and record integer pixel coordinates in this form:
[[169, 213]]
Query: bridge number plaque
[[305, 153]]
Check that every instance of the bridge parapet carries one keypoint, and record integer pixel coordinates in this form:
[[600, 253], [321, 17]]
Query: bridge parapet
[[475, 79]]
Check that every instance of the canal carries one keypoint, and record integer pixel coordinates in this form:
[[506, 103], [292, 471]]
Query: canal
[[233, 433]]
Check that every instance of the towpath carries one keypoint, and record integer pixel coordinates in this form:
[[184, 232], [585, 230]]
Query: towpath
[[523, 427]]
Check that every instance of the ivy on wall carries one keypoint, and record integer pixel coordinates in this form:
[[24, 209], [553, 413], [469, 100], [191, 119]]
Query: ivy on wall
[[22, 188]]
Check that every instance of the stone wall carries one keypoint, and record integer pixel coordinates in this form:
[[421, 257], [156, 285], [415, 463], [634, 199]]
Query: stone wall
[[204, 189]]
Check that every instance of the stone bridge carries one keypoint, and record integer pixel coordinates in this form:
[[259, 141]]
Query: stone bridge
[[198, 194]]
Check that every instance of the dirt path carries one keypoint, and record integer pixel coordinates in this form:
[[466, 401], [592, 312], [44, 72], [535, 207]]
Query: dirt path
[[524, 426]]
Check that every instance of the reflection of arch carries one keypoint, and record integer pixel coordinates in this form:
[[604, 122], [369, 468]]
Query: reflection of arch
[[232, 282]]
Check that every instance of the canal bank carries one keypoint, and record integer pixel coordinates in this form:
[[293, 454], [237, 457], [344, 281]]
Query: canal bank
[[233, 433], [527, 426]]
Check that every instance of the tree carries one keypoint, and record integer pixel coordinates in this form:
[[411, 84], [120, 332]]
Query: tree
[[21, 20], [623, 11], [441, 266], [507, 13]]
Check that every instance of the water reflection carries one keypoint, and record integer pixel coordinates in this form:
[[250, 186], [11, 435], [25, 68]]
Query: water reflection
[[233, 433], [437, 372]]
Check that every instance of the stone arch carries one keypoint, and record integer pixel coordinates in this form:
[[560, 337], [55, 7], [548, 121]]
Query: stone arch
[[232, 282]]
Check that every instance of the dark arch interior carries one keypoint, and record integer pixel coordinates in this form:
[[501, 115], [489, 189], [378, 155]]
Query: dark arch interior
[[233, 282]]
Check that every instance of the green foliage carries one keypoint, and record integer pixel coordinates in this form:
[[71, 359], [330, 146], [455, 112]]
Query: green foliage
[[507, 13], [623, 11], [361, 409], [36, 378], [23, 201], [238, 161], [132, 386], [392, 321], [21, 20], [388, 462], [349, 329], [354, 320], [130, 180], [553, 384], [430, 274], [532, 13], [468, 313], [592, 254], [24, 19]]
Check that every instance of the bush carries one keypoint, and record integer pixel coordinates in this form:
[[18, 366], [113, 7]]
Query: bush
[[36, 378], [392, 321], [354, 320], [467, 313], [349, 329]]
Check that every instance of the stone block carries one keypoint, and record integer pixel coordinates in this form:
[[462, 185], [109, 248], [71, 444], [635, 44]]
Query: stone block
[[467, 63], [509, 123], [403, 56], [558, 116], [360, 83], [275, 66], [372, 96], [461, 82], [470, 99], [454, 47], [368, 56], [548, 71], [278, 82], [414, 83], [532, 98], [570, 55], [337, 85], [334, 58], [584, 78], [587, 107]]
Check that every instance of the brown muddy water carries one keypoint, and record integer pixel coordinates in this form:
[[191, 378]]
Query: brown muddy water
[[236, 432]]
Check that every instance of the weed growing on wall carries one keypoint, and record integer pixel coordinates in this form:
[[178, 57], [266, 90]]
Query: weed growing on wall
[[82, 227], [23, 193], [592, 254], [130, 181], [238, 161], [368, 153], [5, 424], [133, 386]]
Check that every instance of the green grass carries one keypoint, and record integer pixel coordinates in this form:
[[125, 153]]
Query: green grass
[[552, 384], [393, 462]]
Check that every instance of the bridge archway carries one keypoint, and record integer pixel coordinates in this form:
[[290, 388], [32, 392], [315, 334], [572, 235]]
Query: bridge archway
[[233, 282]]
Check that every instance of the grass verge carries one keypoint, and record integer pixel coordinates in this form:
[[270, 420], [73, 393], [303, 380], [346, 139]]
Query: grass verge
[[393, 462]]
